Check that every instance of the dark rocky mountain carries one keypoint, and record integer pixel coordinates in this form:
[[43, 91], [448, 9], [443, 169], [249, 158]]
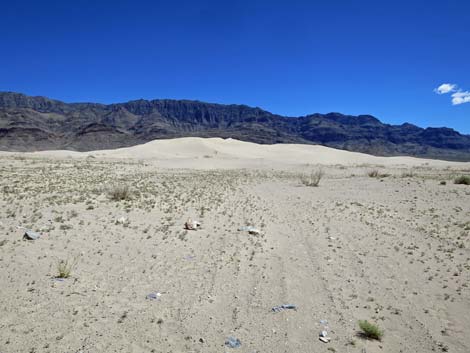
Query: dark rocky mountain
[[39, 123]]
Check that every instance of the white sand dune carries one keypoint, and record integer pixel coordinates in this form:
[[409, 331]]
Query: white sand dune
[[229, 153]]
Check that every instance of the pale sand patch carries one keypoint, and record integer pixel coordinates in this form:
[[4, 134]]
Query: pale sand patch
[[195, 152]]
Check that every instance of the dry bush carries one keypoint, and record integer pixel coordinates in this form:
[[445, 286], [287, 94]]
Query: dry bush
[[408, 174], [119, 193], [374, 173], [312, 179]]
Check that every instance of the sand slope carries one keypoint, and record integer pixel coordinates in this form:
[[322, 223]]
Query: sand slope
[[225, 153]]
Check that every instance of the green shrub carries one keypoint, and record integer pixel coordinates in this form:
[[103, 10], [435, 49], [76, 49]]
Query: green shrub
[[370, 330], [463, 179]]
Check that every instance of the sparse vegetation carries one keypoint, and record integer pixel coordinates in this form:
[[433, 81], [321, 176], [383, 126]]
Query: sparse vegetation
[[65, 267], [312, 179], [370, 330], [374, 173], [408, 174], [463, 179], [423, 225], [352, 342], [120, 193]]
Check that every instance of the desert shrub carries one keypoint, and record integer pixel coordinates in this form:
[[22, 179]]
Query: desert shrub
[[376, 174], [65, 267], [312, 179], [370, 330], [408, 174], [463, 179], [119, 193]]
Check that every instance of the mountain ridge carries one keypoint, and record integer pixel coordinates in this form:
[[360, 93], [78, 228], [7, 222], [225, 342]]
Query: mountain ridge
[[36, 123]]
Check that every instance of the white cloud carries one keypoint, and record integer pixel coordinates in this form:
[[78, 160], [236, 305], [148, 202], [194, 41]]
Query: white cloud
[[460, 97], [446, 88]]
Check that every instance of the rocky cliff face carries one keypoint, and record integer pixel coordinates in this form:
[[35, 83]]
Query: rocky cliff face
[[38, 123]]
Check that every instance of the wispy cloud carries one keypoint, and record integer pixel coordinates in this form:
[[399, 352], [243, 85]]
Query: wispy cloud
[[458, 96], [446, 88]]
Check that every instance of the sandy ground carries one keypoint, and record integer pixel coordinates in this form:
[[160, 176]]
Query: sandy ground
[[392, 249]]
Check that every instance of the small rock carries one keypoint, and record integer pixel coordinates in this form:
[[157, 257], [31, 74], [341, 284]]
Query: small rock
[[30, 235], [154, 296], [233, 342]]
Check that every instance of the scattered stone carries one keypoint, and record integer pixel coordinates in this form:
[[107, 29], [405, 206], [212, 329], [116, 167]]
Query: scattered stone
[[122, 220], [154, 296], [30, 235], [192, 225], [279, 308], [250, 229], [233, 342]]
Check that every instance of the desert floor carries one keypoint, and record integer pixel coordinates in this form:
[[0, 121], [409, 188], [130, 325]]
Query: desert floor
[[391, 249]]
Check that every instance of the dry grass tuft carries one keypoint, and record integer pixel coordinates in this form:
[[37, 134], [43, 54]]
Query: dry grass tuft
[[313, 179], [370, 330], [120, 193], [65, 267], [374, 173]]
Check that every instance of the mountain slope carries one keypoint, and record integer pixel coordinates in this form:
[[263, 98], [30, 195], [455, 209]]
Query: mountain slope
[[39, 123]]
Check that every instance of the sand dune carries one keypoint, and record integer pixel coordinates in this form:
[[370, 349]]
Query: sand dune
[[229, 153]]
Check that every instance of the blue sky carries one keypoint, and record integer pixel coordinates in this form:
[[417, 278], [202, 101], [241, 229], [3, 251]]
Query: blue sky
[[384, 58]]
